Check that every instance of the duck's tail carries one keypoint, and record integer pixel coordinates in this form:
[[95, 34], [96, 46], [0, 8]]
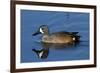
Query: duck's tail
[[77, 38]]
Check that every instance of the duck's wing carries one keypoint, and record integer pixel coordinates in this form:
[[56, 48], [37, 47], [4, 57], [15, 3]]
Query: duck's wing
[[59, 33], [63, 33]]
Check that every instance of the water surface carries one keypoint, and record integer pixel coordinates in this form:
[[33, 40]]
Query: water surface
[[31, 20]]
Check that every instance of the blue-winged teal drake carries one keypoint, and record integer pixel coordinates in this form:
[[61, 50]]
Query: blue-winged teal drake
[[58, 37]]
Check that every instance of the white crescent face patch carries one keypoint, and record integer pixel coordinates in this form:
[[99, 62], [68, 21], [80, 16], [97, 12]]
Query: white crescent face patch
[[41, 30]]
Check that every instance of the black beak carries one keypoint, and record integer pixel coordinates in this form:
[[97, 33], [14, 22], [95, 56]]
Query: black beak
[[34, 34]]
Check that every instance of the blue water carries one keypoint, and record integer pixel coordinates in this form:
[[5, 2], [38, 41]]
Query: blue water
[[31, 20]]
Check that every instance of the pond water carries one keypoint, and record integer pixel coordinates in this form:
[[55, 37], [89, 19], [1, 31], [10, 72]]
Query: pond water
[[31, 20]]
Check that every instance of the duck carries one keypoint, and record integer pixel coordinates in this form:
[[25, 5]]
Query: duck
[[57, 37]]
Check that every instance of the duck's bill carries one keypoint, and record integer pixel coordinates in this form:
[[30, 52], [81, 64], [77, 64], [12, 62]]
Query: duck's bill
[[34, 34]]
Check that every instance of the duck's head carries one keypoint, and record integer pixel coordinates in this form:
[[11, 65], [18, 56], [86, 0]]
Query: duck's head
[[42, 54], [42, 30]]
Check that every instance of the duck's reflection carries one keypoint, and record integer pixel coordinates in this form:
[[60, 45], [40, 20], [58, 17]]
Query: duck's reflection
[[43, 53]]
